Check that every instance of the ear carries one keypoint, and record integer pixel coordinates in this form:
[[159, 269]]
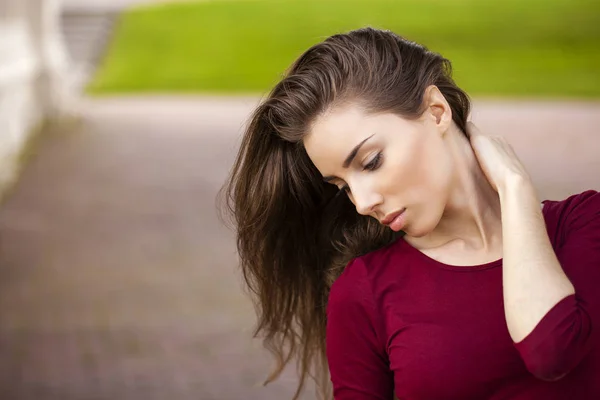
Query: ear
[[438, 109]]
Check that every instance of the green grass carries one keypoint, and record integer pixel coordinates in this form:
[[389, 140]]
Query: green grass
[[533, 48]]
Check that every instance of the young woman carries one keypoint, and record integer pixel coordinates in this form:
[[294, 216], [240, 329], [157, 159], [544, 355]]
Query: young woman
[[391, 244]]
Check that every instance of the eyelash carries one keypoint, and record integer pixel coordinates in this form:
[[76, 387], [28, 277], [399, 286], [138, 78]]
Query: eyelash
[[371, 166], [374, 163]]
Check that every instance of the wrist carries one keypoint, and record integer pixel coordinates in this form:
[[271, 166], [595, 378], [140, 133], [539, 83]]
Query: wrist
[[519, 188]]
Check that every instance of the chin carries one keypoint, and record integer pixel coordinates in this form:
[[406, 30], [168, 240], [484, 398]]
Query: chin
[[422, 230], [415, 233]]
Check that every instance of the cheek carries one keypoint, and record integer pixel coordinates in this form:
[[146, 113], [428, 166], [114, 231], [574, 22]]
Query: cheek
[[401, 175], [427, 175]]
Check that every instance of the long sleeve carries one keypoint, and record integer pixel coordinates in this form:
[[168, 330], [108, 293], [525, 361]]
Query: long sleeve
[[564, 336], [559, 341], [357, 359]]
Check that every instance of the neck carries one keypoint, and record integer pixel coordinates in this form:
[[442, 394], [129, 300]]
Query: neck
[[472, 214]]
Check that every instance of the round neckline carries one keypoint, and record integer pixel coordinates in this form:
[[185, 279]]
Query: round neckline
[[451, 267]]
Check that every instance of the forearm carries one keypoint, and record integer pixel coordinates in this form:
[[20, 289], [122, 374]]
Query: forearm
[[533, 279]]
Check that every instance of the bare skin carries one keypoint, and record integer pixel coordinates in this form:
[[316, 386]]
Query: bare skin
[[465, 201], [427, 166], [533, 279]]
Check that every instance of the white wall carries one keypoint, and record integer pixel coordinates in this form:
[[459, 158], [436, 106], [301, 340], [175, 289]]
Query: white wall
[[33, 76]]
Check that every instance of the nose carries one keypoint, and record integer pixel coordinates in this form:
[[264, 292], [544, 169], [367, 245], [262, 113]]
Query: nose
[[365, 200]]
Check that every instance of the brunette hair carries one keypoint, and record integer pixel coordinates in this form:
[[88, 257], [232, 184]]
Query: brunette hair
[[294, 233]]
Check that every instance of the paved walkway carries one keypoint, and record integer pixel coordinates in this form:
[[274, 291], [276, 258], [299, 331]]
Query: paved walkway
[[117, 281]]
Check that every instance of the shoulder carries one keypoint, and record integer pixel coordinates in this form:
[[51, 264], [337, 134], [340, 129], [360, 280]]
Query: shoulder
[[352, 306], [362, 275], [577, 214], [361, 282], [351, 287], [574, 206]]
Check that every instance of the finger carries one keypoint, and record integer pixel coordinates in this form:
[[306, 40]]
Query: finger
[[472, 129]]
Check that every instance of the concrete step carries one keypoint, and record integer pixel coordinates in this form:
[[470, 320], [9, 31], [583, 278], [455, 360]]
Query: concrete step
[[87, 34]]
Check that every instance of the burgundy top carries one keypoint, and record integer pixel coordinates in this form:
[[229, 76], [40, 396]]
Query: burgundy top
[[401, 322]]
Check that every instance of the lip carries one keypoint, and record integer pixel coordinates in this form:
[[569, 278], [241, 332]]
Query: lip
[[390, 217]]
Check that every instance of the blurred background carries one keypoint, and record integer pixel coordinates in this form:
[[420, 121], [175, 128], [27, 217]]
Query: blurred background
[[119, 120]]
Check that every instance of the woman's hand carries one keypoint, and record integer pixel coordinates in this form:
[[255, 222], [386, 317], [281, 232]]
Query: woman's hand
[[533, 280], [497, 159]]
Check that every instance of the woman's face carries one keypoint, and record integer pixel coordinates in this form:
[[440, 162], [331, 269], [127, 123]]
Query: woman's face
[[386, 164]]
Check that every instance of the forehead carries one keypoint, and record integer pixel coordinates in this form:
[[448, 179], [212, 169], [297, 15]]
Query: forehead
[[334, 134]]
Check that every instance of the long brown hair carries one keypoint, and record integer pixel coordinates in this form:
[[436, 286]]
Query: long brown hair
[[295, 233]]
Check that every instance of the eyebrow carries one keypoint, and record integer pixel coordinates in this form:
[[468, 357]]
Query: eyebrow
[[349, 159]]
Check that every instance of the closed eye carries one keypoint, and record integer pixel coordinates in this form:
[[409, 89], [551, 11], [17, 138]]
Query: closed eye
[[370, 166], [374, 163]]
